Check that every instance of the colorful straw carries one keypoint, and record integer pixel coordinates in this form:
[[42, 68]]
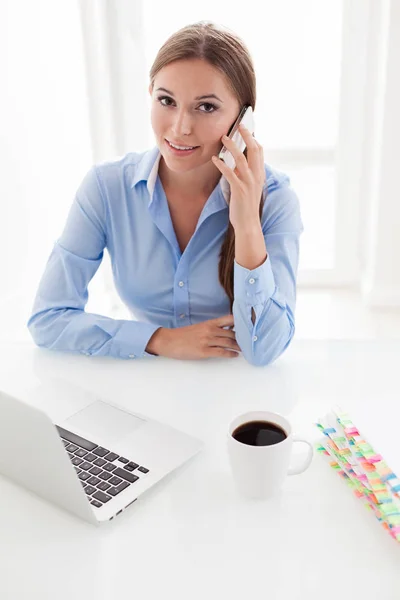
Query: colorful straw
[[364, 470]]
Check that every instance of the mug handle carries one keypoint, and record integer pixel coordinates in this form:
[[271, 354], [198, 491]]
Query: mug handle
[[308, 459]]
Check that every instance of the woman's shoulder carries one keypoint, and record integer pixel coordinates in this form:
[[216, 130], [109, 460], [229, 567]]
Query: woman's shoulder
[[123, 168], [275, 178]]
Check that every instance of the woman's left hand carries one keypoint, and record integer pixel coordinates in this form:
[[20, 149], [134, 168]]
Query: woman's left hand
[[246, 180]]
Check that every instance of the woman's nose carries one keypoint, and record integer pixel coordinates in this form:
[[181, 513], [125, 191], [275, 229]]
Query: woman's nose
[[182, 124]]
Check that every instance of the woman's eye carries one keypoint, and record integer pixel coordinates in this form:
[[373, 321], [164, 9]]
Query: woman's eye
[[164, 98], [209, 105]]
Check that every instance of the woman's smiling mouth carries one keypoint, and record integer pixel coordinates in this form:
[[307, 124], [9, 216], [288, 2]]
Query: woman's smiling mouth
[[179, 150]]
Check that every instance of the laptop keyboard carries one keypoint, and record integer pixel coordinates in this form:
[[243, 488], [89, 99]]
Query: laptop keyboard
[[103, 473]]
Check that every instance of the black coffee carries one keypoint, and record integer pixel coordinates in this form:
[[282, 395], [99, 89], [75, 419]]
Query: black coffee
[[259, 433]]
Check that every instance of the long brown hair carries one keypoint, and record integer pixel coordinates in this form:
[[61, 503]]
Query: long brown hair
[[227, 52]]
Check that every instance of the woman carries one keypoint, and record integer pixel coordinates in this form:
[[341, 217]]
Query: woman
[[197, 249]]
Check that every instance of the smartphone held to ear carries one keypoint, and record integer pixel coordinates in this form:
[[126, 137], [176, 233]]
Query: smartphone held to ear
[[245, 117]]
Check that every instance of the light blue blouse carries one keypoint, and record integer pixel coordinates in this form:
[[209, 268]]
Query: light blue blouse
[[121, 206]]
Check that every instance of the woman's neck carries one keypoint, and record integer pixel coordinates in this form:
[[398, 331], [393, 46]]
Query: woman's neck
[[197, 184]]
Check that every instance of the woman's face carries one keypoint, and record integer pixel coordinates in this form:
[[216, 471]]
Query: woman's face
[[181, 117]]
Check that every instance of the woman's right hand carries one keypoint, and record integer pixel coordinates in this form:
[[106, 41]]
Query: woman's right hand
[[204, 340]]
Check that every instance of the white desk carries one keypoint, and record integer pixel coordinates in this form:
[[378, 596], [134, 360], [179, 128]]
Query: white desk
[[192, 537]]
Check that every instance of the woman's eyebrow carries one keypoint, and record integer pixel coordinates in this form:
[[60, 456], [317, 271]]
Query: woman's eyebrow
[[197, 98]]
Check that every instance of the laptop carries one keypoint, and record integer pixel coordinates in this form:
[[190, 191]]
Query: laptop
[[95, 462]]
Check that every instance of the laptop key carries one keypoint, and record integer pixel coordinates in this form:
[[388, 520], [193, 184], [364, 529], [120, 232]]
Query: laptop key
[[84, 475], [89, 490], [100, 451], [109, 467], [90, 457], [123, 486], [80, 452], [93, 480], [102, 497], [65, 442], [143, 470], [130, 467], [99, 462], [96, 503], [105, 475], [111, 456], [76, 461], [103, 486], [86, 466], [125, 475], [115, 480], [71, 448], [123, 460], [95, 471], [116, 490], [78, 470]]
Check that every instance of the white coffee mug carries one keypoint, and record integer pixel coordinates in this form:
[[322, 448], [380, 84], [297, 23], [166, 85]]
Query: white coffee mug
[[259, 471]]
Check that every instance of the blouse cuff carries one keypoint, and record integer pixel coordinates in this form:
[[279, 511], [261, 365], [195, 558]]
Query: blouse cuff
[[254, 286], [132, 338]]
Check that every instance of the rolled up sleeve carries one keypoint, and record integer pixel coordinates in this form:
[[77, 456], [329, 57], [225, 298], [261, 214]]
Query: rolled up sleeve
[[270, 289]]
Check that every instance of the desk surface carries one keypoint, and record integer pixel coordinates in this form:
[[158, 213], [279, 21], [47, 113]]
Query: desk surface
[[191, 536]]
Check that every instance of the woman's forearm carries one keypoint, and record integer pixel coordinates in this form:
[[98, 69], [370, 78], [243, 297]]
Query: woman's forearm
[[250, 250]]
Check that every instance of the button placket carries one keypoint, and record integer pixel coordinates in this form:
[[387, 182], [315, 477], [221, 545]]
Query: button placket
[[181, 294]]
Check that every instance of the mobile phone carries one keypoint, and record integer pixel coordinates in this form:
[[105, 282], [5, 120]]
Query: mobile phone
[[246, 117]]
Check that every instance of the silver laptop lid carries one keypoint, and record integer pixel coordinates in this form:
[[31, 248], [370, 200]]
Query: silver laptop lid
[[32, 454]]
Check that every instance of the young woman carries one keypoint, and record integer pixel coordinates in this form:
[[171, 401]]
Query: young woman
[[204, 256]]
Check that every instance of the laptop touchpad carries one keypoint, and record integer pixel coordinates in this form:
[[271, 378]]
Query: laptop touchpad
[[104, 422]]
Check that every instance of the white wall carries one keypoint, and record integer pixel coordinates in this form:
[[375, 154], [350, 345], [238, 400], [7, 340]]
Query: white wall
[[44, 140]]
